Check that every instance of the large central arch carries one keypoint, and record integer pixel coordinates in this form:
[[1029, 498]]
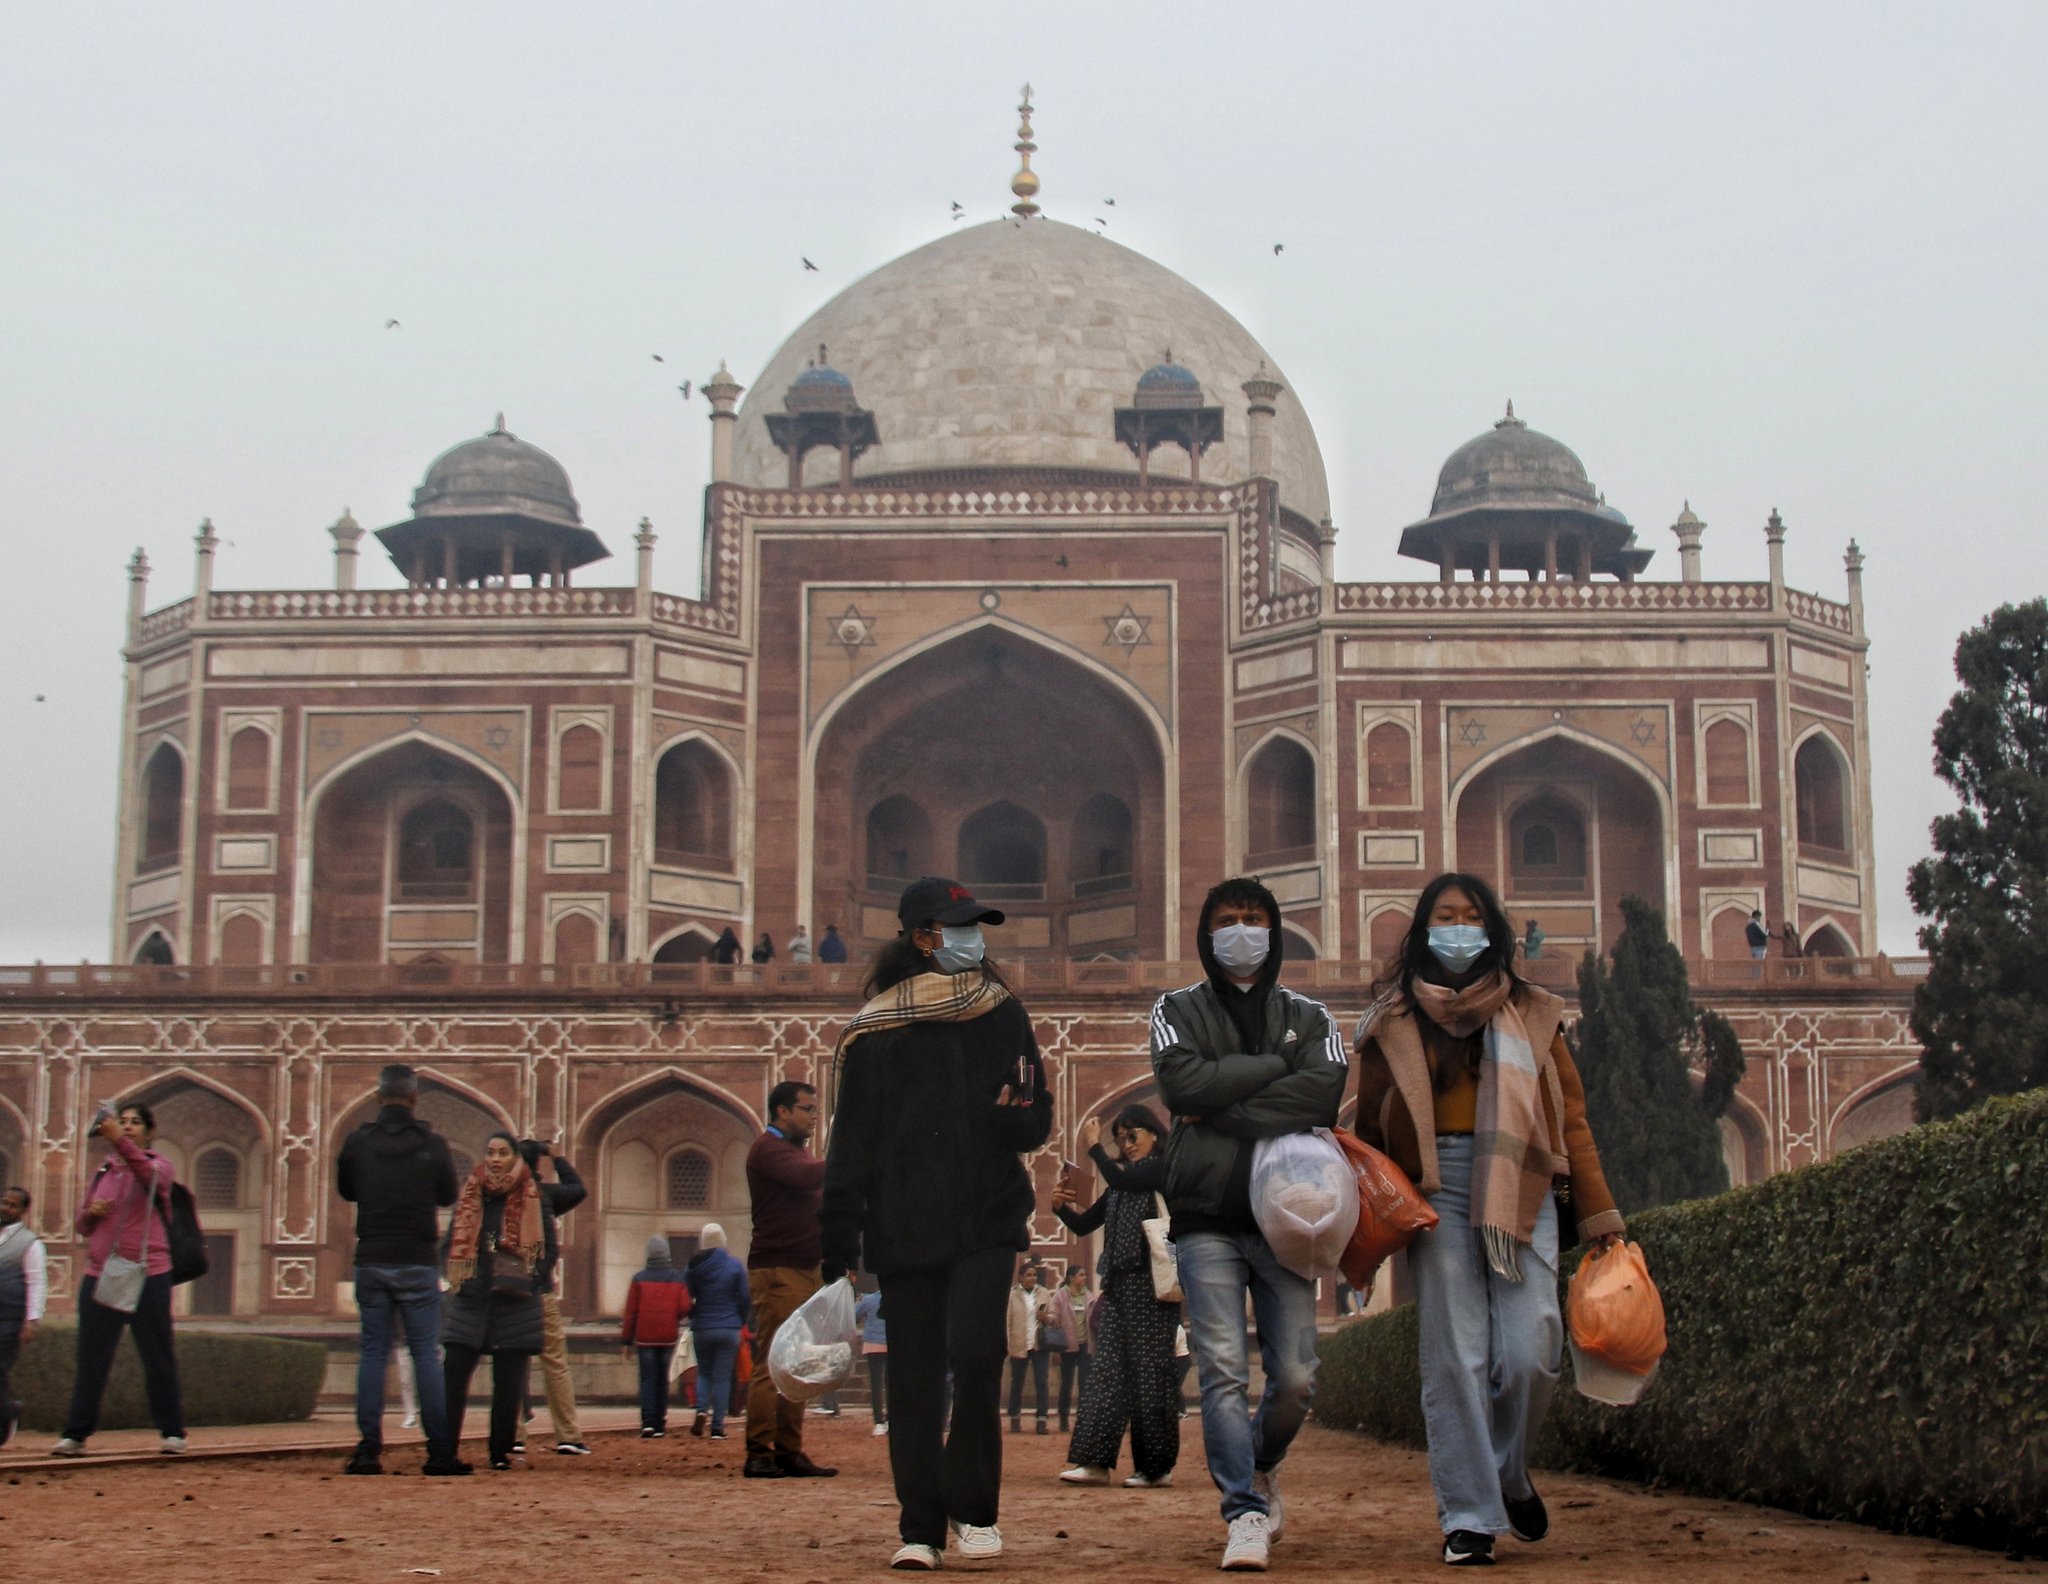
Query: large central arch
[[994, 729], [1548, 780]]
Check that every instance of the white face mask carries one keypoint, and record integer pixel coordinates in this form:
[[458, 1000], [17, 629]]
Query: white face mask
[[962, 948], [1241, 948]]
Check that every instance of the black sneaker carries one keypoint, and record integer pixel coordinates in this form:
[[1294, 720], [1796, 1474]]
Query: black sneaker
[[1468, 1548], [574, 1448], [447, 1468], [763, 1468], [1528, 1519], [647, 1432], [501, 1464], [363, 1461]]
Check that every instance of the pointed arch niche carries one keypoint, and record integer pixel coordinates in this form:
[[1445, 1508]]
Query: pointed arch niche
[[1014, 760], [1566, 828]]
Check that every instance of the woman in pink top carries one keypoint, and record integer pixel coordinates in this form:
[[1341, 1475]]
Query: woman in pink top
[[126, 1210]]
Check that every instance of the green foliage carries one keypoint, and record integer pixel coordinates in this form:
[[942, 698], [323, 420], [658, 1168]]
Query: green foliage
[[1981, 1015], [1863, 1339], [1639, 1030], [225, 1379]]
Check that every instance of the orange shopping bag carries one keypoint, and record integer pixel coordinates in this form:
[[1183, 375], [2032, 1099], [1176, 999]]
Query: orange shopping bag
[[1617, 1324], [1390, 1210]]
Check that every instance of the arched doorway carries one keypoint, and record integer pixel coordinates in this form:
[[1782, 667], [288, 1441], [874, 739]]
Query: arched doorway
[[664, 1159], [221, 1154], [412, 860], [1057, 808], [1565, 831], [161, 836]]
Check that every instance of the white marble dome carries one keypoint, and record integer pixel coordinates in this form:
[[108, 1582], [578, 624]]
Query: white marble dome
[[1010, 345]]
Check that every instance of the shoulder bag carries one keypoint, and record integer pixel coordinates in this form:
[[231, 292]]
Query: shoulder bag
[[119, 1286], [1165, 1268]]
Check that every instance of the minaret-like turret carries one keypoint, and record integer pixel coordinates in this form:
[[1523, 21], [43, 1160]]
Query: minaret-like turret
[[348, 533], [723, 392], [1689, 529]]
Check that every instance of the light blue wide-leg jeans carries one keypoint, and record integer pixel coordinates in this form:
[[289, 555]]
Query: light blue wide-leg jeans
[[1490, 1351]]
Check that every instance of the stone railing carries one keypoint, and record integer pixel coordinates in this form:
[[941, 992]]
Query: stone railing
[[1167, 500], [1491, 598], [163, 623], [680, 982], [1822, 613], [416, 604]]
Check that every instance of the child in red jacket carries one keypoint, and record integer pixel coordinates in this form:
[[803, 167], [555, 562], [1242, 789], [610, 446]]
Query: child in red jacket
[[656, 1302]]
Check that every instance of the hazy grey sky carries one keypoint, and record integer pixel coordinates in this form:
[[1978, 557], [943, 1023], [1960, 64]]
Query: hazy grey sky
[[1750, 255]]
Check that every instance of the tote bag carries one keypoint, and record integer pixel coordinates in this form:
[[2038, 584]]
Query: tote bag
[[1165, 1268]]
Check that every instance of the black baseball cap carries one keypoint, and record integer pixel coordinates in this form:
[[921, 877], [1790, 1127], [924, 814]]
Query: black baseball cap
[[942, 901]]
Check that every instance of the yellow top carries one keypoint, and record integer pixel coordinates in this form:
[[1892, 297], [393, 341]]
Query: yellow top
[[1457, 1108]]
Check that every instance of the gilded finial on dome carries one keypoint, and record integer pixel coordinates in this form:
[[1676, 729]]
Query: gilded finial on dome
[[1025, 183], [1511, 421], [499, 426]]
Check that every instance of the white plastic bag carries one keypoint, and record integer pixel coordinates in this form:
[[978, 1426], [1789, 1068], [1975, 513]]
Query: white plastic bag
[[1305, 1199], [814, 1349]]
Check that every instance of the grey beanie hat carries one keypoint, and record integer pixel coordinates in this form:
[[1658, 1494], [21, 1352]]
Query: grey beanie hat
[[657, 1251]]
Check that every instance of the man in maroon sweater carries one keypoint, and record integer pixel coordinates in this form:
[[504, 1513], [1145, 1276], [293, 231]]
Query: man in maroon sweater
[[785, 1181]]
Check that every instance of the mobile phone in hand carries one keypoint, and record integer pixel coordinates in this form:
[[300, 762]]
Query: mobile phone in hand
[[1025, 1090]]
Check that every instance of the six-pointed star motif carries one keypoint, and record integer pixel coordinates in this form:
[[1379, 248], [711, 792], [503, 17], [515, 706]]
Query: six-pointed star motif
[[1127, 630]]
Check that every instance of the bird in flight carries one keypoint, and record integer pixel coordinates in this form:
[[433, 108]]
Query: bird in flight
[[390, 324], [657, 357], [958, 206], [685, 389], [1277, 246], [809, 265], [1110, 202], [39, 698]]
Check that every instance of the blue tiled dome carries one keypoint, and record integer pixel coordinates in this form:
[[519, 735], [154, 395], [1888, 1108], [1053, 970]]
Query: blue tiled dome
[[1169, 378], [818, 374]]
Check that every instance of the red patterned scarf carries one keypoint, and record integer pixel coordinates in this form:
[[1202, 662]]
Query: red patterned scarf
[[520, 1232]]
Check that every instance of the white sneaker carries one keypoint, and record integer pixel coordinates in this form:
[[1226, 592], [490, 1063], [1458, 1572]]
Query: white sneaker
[[978, 1542], [1245, 1551], [881, 1428], [1085, 1474], [68, 1447], [172, 1445], [409, 1422], [918, 1558], [1144, 1482], [1266, 1482]]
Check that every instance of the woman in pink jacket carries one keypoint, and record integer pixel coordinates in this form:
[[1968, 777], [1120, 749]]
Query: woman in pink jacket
[[126, 1210]]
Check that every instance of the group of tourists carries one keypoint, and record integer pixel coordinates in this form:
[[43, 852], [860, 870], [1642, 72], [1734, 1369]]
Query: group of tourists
[[1463, 1079]]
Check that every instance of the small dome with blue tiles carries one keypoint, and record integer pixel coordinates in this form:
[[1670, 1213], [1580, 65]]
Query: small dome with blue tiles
[[819, 387], [1168, 384]]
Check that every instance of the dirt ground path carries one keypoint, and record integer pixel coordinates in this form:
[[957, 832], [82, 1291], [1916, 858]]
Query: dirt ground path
[[668, 1509]]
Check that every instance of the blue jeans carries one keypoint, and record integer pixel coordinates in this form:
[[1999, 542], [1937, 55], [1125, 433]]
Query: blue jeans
[[413, 1293], [1216, 1270], [654, 1363], [1490, 1351], [717, 1353]]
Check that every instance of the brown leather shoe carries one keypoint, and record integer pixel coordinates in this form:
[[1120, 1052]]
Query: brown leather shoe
[[796, 1465]]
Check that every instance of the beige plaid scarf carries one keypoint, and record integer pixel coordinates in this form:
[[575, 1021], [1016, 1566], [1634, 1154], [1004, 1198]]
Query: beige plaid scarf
[[924, 998], [1514, 1156]]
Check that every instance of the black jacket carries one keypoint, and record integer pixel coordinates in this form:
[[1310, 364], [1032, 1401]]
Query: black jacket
[[558, 1199], [473, 1316], [923, 1164], [1120, 1211], [395, 1171]]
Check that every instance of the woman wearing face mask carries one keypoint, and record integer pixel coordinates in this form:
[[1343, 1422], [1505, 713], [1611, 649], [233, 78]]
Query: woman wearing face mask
[[1131, 1380], [939, 1090], [1465, 1080], [497, 1242]]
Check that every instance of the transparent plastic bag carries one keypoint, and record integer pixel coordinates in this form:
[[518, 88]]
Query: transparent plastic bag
[[815, 1349], [1305, 1199]]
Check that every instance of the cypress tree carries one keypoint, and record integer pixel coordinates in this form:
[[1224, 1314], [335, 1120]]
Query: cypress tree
[[1640, 1033]]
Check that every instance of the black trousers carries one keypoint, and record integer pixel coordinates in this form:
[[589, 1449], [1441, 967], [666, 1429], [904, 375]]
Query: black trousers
[[1073, 1381], [99, 1335], [878, 1385], [1036, 1360], [508, 1391], [1132, 1381], [951, 1318], [10, 1349]]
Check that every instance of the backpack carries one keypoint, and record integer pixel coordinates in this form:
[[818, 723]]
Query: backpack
[[186, 1239]]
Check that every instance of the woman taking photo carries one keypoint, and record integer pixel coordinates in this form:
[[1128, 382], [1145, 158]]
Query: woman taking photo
[[1465, 1080], [1131, 1381], [939, 1091], [497, 1243], [126, 1218]]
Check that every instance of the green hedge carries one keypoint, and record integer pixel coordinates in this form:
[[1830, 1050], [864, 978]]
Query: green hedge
[[1863, 1339], [225, 1379]]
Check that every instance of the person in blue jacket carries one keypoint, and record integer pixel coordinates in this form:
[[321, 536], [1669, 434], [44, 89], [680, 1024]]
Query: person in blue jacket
[[721, 1306]]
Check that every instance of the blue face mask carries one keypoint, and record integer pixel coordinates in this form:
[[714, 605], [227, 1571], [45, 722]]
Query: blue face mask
[[961, 950], [1457, 946]]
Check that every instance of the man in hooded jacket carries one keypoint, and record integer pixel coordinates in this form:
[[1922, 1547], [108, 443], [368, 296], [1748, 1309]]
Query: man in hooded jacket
[[1239, 1058]]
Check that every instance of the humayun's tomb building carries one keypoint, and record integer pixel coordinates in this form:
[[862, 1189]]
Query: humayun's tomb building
[[993, 584]]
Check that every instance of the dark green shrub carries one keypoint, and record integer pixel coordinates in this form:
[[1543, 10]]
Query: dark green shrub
[[225, 1379], [1863, 1339]]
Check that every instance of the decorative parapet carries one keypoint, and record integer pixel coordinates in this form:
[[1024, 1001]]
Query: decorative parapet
[[1493, 598], [1182, 500], [427, 604], [1822, 613], [160, 624]]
